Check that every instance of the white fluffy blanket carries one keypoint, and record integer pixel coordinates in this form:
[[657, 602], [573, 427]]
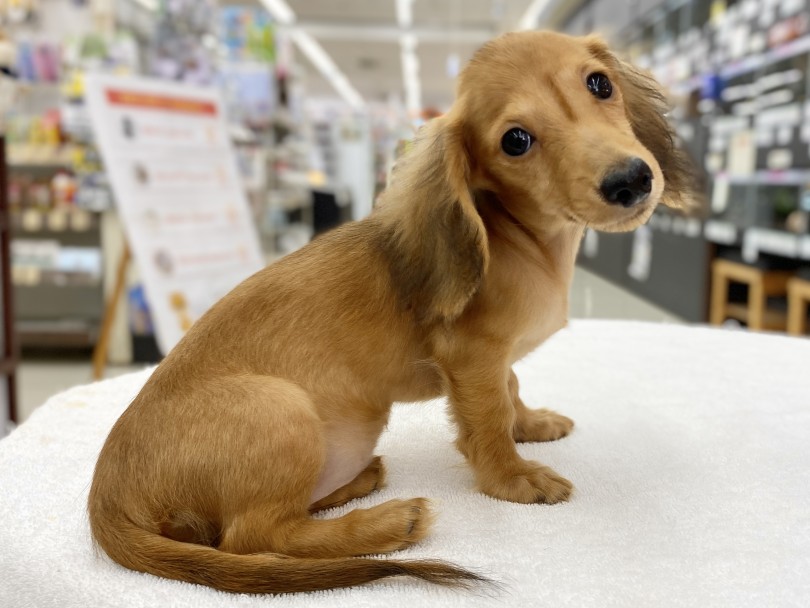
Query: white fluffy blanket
[[690, 460]]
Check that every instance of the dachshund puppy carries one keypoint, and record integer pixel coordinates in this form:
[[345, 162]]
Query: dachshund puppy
[[271, 406]]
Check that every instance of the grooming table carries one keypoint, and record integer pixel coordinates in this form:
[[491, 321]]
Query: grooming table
[[690, 460]]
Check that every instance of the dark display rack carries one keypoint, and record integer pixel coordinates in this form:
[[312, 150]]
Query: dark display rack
[[735, 74]]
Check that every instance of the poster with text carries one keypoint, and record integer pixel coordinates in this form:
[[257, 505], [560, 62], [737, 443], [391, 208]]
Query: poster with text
[[177, 188]]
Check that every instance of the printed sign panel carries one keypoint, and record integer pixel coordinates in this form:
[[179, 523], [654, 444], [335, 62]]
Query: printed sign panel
[[177, 188]]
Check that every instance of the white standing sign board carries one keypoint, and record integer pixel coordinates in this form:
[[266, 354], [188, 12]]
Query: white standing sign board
[[177, 188]]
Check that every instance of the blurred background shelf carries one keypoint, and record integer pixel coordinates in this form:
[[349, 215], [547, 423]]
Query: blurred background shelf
[[317, 139], [739, 72]]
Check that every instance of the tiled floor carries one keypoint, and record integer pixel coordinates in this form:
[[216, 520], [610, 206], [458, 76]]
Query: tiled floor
[[38, 380], [591, 297]]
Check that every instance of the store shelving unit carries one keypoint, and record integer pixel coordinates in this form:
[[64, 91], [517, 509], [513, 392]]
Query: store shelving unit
[[53, 308], [52, 312], [748, 202]]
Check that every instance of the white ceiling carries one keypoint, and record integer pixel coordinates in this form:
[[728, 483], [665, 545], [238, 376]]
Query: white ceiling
[[362, 37]]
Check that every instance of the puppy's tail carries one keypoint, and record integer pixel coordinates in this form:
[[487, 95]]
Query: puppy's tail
[[145, 551]]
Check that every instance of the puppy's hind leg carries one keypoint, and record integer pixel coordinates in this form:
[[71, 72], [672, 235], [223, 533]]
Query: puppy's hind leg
[[370, 479], [278, 453], [388, 527]]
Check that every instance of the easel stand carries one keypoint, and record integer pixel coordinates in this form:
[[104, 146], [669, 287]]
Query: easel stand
[[103, 343]]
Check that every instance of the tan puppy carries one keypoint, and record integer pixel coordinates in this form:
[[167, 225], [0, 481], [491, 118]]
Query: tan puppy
[[271, 407]]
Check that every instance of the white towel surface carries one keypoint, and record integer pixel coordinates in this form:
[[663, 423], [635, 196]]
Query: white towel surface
[[690, 460]]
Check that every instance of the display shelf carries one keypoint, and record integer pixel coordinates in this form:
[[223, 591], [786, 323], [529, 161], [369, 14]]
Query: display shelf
[[744, 66], [33, 156], [57, 301], [769, 177], [58, 306], [756, 240], [760, 61], [722, 232], [80, 231], [753, 240], [698, 53], [68, 333]]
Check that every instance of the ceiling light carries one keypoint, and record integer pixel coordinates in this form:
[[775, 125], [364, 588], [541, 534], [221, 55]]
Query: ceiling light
[[150, 5], [410, 62], [408, 42], [453, 65], [405, 13], [280, 10], [324, 64], [311, 48], [531, 17]]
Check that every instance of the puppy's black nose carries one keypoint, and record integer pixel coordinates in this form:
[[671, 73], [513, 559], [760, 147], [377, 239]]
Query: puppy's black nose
[[628, 184]]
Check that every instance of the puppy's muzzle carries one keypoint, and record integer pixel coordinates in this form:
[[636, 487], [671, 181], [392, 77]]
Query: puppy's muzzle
[[628, 184]]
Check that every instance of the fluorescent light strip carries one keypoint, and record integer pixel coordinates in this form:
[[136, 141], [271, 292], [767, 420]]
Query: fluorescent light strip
[[405, 13], [409, 59], [413, 94], [150, 5], [310, 47], [324, 64], [532, 15], [410, 77], [280, 10], [408, 42], [413, 88]]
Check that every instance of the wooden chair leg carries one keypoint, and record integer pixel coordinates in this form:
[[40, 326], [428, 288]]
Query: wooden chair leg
[[797, 313], [717, 310], [756, 305]]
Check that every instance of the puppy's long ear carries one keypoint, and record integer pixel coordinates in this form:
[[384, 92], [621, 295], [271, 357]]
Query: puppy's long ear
[[646, 108], [435, 240]]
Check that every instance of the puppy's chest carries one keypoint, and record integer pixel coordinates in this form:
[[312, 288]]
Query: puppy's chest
[[548, 313]]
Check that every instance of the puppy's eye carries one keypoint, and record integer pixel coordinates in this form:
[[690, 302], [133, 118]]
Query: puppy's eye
[[599, 85], [516, 142]]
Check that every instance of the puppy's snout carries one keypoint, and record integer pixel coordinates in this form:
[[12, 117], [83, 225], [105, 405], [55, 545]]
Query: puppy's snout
[[628, 184]]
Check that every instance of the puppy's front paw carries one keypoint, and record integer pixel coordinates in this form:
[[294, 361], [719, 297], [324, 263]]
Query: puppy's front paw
[[534, 484], [542, 425]]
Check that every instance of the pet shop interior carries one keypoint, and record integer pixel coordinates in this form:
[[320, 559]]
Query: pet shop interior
[[319, 100], [155, 153]]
